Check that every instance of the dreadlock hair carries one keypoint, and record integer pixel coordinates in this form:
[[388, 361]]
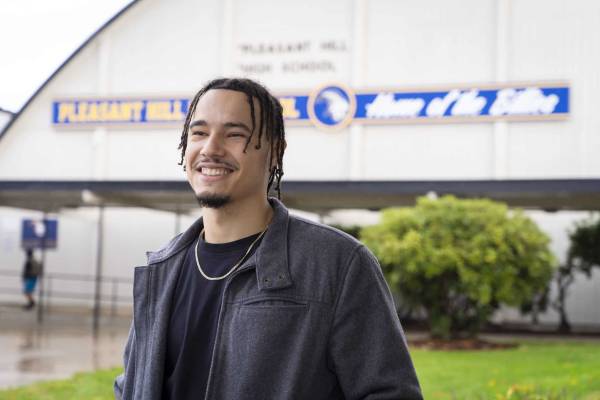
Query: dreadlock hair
[[271, 122]]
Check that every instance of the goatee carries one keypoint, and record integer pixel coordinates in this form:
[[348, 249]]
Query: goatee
[[212, 200]]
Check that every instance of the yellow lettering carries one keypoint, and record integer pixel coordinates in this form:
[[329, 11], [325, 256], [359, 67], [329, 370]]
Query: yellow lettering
[[108, 111], [137, 110], [92, 114], [178, 114], [158, 111], [120, 111], [161, 111], [66, 112], [103, 111], [125, 111], [82, 112], [289, 107], [113, 113]]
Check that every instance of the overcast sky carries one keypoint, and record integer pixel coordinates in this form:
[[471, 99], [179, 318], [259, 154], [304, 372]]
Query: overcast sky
[[38, 35]]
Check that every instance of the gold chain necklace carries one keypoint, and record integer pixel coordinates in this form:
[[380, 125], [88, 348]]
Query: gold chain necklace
[[216, 278]]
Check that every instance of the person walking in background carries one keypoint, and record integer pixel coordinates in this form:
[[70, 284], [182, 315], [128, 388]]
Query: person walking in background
[[31, 271]]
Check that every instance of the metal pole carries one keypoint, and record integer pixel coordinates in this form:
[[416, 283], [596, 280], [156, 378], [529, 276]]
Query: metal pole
[[48, 294], [40, 309], [113, 308], [98, 277], [177, 222]]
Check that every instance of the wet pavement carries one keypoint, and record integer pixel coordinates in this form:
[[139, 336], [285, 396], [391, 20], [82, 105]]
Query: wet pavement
[[57, 348], [65, 344]]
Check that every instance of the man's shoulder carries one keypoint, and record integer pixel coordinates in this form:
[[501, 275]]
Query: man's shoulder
[[161, 252], [306, 231], [176, 244]]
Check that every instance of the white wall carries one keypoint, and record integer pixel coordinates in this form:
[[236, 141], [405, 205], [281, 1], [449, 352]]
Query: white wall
[[171, 48], [165, 48]]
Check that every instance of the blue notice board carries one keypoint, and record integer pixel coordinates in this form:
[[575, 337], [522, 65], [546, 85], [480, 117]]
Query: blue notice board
[[39, 234]]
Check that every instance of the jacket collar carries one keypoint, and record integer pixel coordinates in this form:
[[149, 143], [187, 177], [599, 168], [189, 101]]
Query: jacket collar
[[270, 259]]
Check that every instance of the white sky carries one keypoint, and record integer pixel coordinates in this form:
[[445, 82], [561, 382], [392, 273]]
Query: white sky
[[36, 36]]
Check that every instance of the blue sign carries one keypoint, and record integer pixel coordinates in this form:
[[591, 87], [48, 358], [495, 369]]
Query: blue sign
[[118, 111], [39, 234], [334, 106]]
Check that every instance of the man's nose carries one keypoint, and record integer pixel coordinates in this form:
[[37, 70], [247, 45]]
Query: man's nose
[[213, 145]]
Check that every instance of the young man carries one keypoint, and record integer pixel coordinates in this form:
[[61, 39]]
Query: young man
[[250, 302]]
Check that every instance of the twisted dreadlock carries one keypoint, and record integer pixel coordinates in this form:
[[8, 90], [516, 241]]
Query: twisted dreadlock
[[271, 122]]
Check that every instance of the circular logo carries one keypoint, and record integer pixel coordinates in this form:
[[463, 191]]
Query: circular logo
[[332, 107]]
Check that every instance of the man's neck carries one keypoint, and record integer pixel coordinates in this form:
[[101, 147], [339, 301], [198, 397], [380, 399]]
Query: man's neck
[[236, 220]]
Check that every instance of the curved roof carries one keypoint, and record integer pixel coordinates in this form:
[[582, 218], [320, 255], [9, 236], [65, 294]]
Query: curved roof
[[64, 64], [4, 110]]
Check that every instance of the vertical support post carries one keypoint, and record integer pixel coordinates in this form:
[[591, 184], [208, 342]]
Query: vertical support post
[[177, 222], [113, 305], [40, 308], [356, 152], [98, 276], [500, 130], [48, 294], [227, 38]]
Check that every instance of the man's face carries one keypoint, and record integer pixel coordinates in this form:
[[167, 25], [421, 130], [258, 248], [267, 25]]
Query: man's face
[[217, 168]]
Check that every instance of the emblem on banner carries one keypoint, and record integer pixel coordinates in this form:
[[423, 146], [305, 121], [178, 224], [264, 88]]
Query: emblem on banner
[[332, 106]]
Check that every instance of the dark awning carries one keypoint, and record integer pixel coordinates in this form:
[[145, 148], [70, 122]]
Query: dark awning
[[319, 196]]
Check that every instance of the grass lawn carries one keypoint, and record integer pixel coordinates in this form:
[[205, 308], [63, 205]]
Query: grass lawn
[[560, 370], [82, 386], [568, 370]]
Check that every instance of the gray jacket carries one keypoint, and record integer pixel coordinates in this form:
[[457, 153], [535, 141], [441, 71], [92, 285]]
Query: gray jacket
[[308, 316]]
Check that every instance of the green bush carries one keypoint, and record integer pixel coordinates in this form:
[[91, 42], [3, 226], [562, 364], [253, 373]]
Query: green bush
[[583, 255], [460, 259]]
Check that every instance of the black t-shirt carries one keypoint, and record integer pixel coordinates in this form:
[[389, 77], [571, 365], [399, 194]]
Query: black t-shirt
[[194, 315]]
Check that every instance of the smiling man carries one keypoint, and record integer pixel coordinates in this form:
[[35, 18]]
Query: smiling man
[[251, 302]]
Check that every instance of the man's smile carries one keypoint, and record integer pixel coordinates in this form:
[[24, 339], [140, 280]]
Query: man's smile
[[214, 171]]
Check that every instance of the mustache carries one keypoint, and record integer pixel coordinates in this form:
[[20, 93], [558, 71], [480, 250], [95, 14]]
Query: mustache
[[215, 160]]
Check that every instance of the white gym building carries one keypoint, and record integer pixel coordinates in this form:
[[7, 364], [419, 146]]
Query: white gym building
[[385, 101]]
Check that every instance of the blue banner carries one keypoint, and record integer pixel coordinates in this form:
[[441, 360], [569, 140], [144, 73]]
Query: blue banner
[[335, 106], [119, 111], [39, 234]]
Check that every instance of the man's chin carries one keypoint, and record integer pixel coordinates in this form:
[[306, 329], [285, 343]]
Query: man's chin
[[211, 200]]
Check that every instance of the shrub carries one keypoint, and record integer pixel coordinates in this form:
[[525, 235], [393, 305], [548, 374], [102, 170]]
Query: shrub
[[583, 255], [460, 259]]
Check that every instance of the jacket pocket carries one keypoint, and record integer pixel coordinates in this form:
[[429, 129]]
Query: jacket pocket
[[272, 303], [268, 345]]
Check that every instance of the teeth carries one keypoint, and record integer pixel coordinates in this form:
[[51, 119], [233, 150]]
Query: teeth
[[215, 171]]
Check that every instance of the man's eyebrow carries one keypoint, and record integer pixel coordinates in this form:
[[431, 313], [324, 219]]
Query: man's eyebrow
[[237, 125], [201, 122]]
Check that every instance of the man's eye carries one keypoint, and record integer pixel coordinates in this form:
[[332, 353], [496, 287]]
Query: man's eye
[[198, 133], [237, 135]]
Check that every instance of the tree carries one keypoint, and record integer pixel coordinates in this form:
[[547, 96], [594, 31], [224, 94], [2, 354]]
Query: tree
[[460, 259], [583, 255]]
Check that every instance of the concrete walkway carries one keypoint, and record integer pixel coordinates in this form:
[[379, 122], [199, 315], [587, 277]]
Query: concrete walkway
[[62, 345]]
